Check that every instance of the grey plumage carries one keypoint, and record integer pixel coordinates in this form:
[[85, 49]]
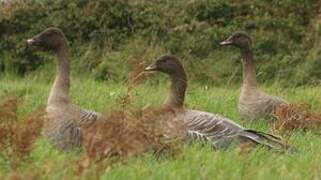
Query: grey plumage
[[64, 121], [254, 104], [202, 126], [221, 132], [64, 124]]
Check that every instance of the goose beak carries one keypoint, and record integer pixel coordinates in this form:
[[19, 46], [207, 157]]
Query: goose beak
[[151, 67], [226, 42], [30, 42], [33, 42]]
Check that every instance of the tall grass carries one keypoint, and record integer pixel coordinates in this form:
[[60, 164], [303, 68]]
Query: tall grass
[[194, 162]]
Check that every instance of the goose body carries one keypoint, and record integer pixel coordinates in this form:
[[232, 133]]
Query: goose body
[[63, 120], [64, 124], [218, 130], [253, 103]]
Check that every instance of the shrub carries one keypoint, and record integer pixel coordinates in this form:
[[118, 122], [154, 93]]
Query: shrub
[[284, 33]]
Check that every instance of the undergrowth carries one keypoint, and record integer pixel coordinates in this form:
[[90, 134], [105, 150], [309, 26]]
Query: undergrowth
[[17, 136], [296, 117], [126, 131]]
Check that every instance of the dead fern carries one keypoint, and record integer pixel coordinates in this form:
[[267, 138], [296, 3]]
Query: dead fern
[[136, 76], [125, 134], [129, 131], [296, 116], [8, 109], [26, 132], [17, 136]]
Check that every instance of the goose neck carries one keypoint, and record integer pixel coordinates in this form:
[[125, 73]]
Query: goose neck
[[60, 89], [249, 76], [176, 96]]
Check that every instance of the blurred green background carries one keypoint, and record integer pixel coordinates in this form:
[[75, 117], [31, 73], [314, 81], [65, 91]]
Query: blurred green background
[[108, 37]]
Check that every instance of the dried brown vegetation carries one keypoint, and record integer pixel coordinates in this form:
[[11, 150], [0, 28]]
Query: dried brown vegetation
[[17, 136], [8, 108], [296, 116], [129, 131], [135, 77]]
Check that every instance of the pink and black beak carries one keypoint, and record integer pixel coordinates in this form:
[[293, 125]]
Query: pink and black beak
[[35, 41], [152, 67], [227, 42]]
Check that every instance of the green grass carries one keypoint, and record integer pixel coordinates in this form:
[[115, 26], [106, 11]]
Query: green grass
[[195, 162]]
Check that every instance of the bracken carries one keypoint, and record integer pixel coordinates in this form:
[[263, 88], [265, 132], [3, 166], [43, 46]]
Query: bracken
[[296, 116], [17, 136], [129, 131]]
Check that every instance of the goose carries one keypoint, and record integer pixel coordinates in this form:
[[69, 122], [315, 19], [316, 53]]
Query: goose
[[63, 120], [215, 129], [253, 103]]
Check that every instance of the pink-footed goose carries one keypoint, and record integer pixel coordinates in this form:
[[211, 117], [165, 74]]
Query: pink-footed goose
[[64, 120], [216, 129], [253, 103]]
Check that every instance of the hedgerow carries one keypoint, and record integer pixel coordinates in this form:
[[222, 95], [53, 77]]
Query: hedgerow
[[286, 35]]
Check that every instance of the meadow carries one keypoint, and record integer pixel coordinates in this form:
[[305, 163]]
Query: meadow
[[108, 38], [194, 162]]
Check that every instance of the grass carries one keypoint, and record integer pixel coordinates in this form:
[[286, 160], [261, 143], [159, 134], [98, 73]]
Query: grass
[[195, 162]]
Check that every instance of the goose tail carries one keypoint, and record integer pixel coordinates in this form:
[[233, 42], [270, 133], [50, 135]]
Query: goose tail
[[268, 140]]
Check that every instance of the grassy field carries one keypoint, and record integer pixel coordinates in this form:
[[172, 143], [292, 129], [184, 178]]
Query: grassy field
[[195, 162]]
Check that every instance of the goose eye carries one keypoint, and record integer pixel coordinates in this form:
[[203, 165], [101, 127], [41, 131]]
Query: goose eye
[[162, 60], [50, 34]]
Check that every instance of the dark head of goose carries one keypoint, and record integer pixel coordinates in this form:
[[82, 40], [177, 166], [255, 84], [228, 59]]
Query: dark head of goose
[[168, 64], [50, 39], [239, 39]]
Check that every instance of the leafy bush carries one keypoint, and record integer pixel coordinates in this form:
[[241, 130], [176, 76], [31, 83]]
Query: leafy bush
[[284, 32]]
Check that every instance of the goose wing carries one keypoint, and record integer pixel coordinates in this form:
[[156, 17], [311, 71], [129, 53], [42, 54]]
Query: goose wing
[[88, 117], [82, 118], [221, 131], [212, 128], [270, 102]]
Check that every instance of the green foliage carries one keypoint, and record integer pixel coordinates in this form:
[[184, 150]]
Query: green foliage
[[285, 35]]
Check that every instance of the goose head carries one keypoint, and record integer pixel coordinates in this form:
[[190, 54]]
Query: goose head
[[50, 38], [167, 64], [238, 39]]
